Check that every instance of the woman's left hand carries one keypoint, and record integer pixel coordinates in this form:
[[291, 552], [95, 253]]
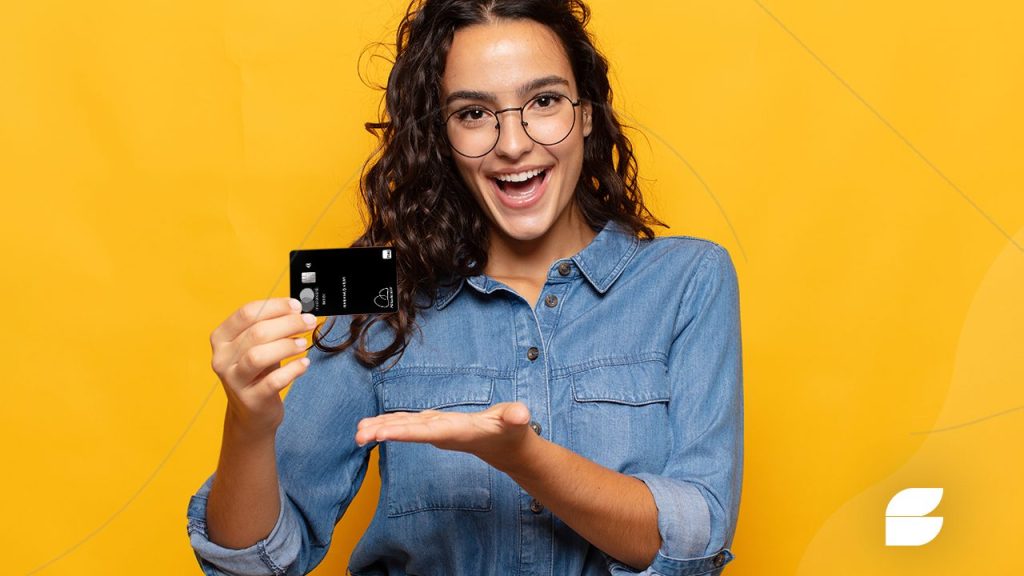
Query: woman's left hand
[[495, 435]]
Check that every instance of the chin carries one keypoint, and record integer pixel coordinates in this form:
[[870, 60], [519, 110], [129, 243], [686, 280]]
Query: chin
[[525, 232]]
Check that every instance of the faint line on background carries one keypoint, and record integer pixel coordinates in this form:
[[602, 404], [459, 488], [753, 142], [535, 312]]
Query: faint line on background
[[968, 423], [892, 128], [696, 174]]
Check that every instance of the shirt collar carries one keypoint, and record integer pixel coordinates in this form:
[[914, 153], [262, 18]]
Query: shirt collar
[[600, 262]]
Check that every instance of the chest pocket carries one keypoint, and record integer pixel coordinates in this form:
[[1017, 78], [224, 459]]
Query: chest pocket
[[618, 416], [419, 476]]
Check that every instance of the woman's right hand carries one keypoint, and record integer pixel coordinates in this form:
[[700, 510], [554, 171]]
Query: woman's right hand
[[248, 348]]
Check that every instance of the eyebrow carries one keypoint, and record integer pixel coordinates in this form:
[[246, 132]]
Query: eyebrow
[[522, 91]]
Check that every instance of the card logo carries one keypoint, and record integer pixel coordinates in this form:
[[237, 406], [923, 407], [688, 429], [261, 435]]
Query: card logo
[[384, 298], [906, 517]]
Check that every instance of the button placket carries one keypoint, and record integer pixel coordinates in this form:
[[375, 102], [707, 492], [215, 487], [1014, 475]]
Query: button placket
[[532, 327], [552, 297]]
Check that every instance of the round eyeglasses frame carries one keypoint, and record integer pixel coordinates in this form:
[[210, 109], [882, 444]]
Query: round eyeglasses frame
[[522, 121]]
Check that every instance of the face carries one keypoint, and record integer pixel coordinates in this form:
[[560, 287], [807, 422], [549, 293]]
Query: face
[[497, 66]]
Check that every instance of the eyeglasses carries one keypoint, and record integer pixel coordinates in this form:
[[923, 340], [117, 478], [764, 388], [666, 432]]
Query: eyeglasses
[[547, 119]]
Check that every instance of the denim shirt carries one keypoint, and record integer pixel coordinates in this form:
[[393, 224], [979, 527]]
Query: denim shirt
[[631, 358]]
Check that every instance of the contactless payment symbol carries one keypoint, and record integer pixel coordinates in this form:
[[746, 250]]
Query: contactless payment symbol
[[906, 517]]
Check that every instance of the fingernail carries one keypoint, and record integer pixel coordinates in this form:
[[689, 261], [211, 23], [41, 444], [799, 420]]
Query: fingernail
[[304, 361], [309, 319], [295, 304], [300, 342]]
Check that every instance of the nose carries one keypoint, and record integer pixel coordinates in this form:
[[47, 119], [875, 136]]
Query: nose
[[513, 141]]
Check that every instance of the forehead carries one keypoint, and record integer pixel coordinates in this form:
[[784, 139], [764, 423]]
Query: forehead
[[502, 56]]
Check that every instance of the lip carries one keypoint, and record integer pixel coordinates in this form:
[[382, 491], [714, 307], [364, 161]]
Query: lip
[[514, 204]]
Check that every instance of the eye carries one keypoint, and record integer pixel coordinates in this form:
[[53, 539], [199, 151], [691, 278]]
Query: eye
[[471, 114], [546, 100]]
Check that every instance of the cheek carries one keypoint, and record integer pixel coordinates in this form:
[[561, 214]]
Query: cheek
[[571, 158]]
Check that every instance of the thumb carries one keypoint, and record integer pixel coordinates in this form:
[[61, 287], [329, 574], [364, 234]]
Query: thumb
[[516, 413]]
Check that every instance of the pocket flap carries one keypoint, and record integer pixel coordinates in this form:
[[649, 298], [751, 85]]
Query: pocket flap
[[414, 392], [635, 384]]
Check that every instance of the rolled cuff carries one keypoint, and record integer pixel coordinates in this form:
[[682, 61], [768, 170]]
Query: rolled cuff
[[268, 557], [684, 523], [711, 565]]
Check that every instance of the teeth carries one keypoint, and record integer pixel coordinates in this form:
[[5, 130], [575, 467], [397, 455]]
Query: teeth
[[520, 177]]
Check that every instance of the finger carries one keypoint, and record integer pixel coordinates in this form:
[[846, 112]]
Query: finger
[[399, 418], [401, 422], [423, 431], [251, 313], [393, 416], [258, 358], [282, 377], [367, 427], [264, 331], [266, 371]]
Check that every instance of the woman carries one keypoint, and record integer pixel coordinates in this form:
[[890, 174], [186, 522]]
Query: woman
[[560, 392]]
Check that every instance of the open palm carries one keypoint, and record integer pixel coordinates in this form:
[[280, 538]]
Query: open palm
[[488, 434]]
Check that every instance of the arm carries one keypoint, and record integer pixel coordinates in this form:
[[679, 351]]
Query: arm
[[612, 511], [244, 503], [317, 470]]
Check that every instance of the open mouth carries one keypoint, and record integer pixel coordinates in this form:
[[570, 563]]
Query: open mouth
[[520, 189]]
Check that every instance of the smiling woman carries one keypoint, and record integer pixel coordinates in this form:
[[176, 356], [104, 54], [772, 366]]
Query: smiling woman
[[596, 430]]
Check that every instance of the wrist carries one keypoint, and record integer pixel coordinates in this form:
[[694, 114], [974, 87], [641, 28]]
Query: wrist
[[521, 459], [240, 431]]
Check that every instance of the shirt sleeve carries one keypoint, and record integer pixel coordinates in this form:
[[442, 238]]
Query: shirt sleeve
[[268, 556], [698, 493], [320, 469]]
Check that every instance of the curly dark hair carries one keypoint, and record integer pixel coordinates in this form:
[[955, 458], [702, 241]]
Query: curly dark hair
[[414, 197]]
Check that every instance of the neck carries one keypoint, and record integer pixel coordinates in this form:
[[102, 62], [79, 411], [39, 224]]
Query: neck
[[513, 258]]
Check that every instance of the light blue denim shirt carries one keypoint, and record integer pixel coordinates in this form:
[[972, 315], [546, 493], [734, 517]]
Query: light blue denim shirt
[[631, 358]]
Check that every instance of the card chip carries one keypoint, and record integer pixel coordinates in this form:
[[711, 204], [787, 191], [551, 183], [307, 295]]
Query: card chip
[[309, 277]]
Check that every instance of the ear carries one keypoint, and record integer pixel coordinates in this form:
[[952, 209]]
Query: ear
[[588, 118]]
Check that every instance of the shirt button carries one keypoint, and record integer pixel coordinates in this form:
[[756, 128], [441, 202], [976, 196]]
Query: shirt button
[[532, 353], [718, 560], [551, 301], [536, 507], [535, 426], [564, 268]]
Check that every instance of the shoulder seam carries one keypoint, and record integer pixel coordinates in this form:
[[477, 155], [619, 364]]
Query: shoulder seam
[[687, 237]]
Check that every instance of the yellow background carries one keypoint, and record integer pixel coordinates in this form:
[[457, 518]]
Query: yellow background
[[860, 160]]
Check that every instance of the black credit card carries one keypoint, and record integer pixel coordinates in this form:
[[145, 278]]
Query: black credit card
[[336, 281]]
